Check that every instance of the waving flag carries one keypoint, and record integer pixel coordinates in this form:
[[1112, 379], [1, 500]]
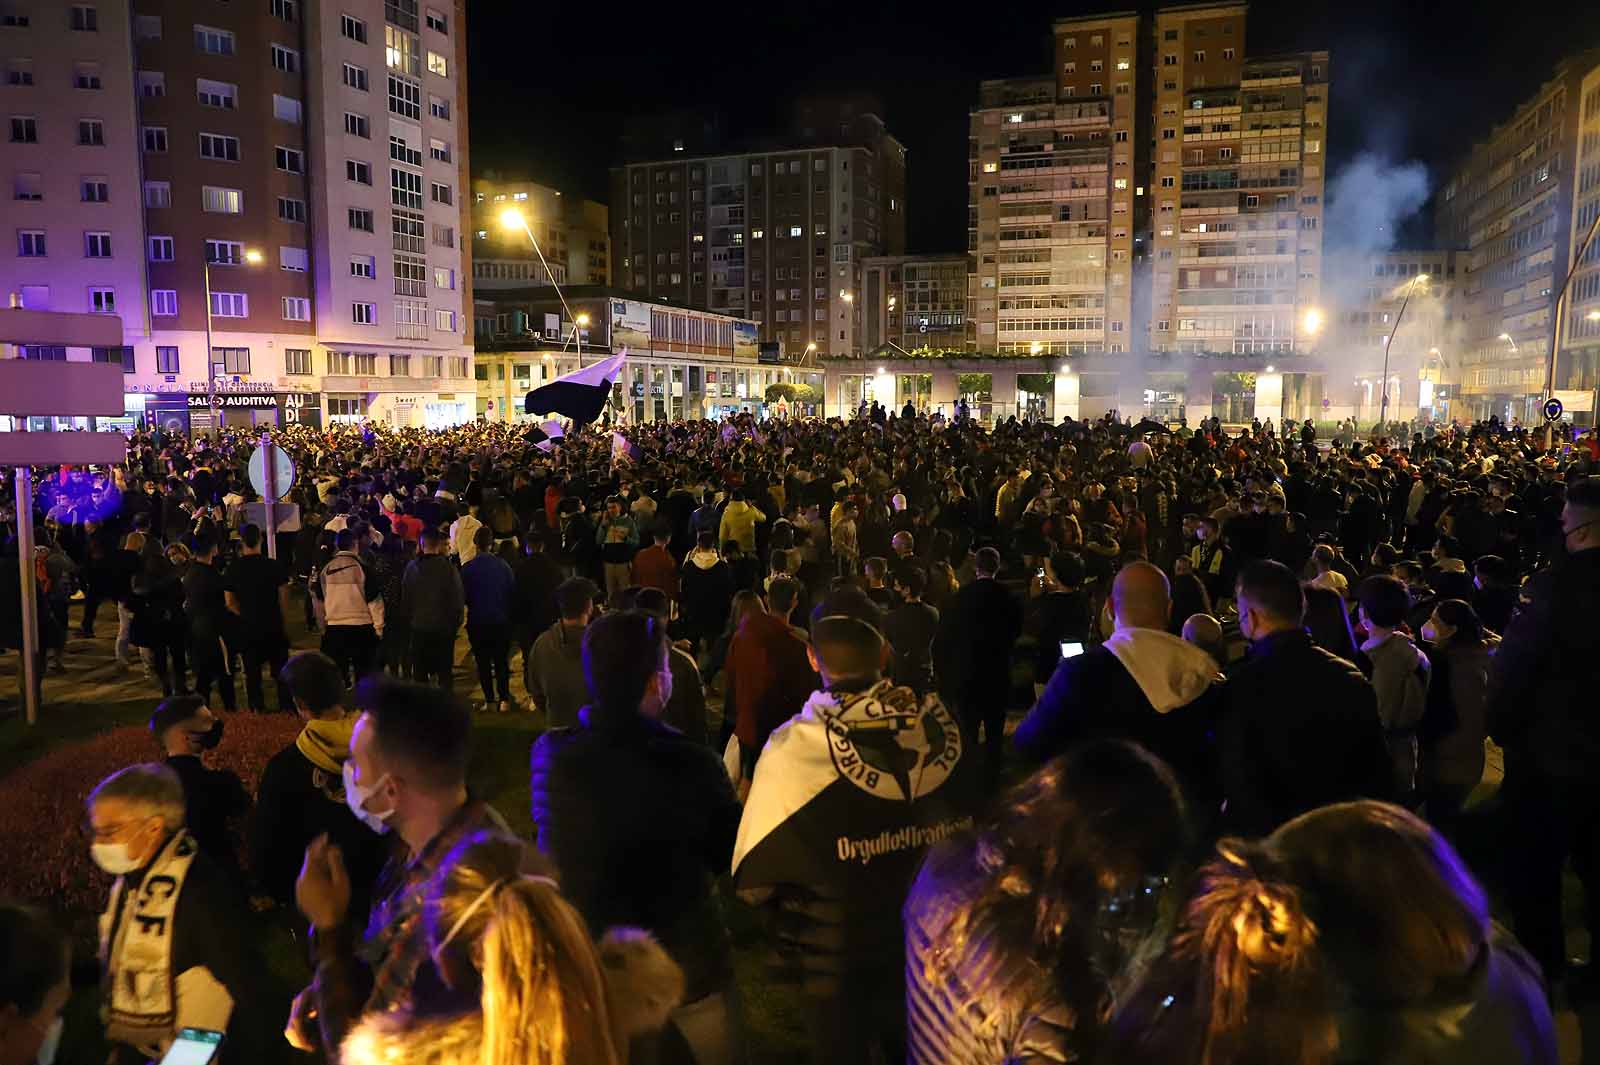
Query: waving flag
[[580, 395], [623, 449]]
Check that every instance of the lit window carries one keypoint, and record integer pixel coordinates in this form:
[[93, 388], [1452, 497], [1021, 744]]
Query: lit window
[[437, 65], [1123, 64]]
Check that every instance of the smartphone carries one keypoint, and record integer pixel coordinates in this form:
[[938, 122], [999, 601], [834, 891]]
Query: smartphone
[[1071, 649], [194, 1046]]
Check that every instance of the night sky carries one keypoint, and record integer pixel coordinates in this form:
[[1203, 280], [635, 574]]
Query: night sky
[[551, 84]]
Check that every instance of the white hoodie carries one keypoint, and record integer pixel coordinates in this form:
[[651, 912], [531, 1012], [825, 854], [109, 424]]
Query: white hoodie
[[1171, 672]]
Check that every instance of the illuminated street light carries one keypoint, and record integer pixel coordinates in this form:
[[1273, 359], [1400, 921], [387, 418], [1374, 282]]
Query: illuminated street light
[[1508, 339], [1270, 369], [1312, 321], [1035, 348], [1593, 316], [848, 297], [252, 257], [1383, 407], [514, 219]]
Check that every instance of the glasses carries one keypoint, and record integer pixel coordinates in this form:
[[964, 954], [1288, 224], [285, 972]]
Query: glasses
[[104, 832]]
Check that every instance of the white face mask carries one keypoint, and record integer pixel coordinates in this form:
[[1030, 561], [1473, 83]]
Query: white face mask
[[113, 858], [52, 1042], [355, 797]]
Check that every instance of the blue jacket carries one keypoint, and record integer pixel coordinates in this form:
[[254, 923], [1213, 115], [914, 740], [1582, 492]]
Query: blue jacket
[[488, 583]]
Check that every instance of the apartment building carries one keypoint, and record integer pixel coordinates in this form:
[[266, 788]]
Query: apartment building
[[248, 199], [574, 236], [914, 303], [776, 233], [1578, 367], [1366, 296], [1511, 206]]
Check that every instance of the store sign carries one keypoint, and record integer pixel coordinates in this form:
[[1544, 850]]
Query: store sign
[[224, 385]]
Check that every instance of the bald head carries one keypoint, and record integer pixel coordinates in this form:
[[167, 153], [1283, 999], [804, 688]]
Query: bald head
[[1141, 598], [1203, 630]]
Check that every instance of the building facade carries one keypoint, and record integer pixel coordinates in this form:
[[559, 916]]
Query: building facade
[[1366, 297], [776, 234], [914, 302], [574, 236], [1578, 367], [256, 193]]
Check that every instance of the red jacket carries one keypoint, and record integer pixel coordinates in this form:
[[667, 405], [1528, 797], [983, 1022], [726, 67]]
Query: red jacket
[[769, 677], [654, 567]]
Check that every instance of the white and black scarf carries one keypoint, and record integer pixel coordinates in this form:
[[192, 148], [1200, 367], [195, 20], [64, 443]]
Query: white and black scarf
[[136, 935]]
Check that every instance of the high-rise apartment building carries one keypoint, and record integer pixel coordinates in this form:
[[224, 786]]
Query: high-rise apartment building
[[914, 303], [776, 234], [259, 165], [1578, 367], [1160, 191], [1403, 300], [574, 235]]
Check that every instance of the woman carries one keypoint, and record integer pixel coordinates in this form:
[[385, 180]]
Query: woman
[[1351, 934], [1020, 936], [525, 983], [35, 963], [1456, 720]]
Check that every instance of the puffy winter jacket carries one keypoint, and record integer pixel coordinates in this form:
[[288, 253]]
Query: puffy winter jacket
[[350, 595]]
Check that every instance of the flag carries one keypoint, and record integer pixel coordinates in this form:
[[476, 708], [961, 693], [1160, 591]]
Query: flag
[[623, 449], [544, 436], [580, 395]]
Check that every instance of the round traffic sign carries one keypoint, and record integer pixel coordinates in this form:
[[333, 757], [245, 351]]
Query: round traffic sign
[[282, 471], [1553, 409]]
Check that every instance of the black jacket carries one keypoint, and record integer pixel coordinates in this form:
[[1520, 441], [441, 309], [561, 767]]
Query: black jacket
[[640, 820], [212, 797], [433, 596], [972, 654], [1300, 729]]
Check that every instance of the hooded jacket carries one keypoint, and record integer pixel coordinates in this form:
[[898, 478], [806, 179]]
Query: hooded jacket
[[350, 594], [1142, 685], [433, 594], [707, 590], [554, 674], [1400, 677]]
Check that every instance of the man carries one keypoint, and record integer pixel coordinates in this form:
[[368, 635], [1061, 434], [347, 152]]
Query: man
[[842, 534], [654, 567], [487, 584], [618, 538], [301, 795], [554, 672], [739, 520], [846, 796], [1542, 685], [1495, 592], [352, 601], [972, 656], [406, 775], [1399, 674], [1143, 684], [464, 534], [186, 728], [257, 594], [1300, 726], [875, 574], [686, 708], [1328, 577], [205, 602], [434, 600], [533, 600], [768, 675], [911, 627], [1208, 559], [175, 945]]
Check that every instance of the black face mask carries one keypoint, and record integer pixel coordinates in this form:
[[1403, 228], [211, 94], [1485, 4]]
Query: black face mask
[[208, 740]]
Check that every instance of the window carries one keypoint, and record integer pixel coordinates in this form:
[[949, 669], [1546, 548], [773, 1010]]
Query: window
[[363, 266], [155, 138], [213, 41], [1228, 53], [220, 200], [436, 21], [440, 193], [353, 28], [161, 249], [405, 97], [164, 304], [297, 260], [94, 190], [1252, 201], [231, 360], [360, 219], [432, 365], [290, 159], [147, 27], [1200, 56], [1313, 146], [217, 146], [86, 76], [1169, 134], [152, 83], [438, 149], [230, 305], [287, 10], [399, 365], [410, 320], [439, 107], [85, 18], [405, 188], [120, 355], [445, 322], [24, 130], [364, 362], [296, 309], [43, 352], [357, 125], [444, 277], [458, 366], [358, 171], [285, 59], [157, 194], [291, 210], [297, 361], [219, 94], [364, 313], [92, 132], [96, 245], [437, 65], [167, 358], [1224, 153], [400, 50], [444, 236], [30, 243], [19, 72], [224, 252], [103, 300], [402, 152], [1308, 222], [355, 77]]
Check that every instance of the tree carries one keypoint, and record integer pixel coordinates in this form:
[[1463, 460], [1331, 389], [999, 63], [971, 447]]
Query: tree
[[805, 393], [974, 384], [781, 390]]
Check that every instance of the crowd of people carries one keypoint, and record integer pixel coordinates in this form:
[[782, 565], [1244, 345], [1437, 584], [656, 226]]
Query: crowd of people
[[1287, 715]]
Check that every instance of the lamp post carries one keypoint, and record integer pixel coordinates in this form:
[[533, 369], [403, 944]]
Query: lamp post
[[512, 218], [1383, 405], [251, 257]]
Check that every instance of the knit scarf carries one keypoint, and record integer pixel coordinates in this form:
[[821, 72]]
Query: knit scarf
[[326, 742], [141, 1005]]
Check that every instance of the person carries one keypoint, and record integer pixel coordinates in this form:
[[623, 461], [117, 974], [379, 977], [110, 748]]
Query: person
[[769, 674], [1495, 595], [1209, 559], [972, 656], [1328, 577], [487, 584], [175, 944], [1057, 612], [1542, 678], [1205, 632], [707, 591], [686, 710], [256, 591], [352, 604], [186, 729], [533, 600], [464, 534], [618, 538], [406, 775], [846, 797], [1143, 684], [1399, 674], [1456, 721], [1293, 950], [875, 575], [739, 519], [911, 627], [1300, 727], [554, 674], [1327, 622], [1094, 838], [35, 985], [205, 604], [435, 600], [654, 567], [519, 955], [639, 820], [301, 793]]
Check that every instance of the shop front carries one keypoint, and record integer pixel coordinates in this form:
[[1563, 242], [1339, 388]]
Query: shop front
[[187, 408]]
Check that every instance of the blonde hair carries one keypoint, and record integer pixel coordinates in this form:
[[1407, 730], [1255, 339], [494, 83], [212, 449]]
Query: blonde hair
[[134, 542]]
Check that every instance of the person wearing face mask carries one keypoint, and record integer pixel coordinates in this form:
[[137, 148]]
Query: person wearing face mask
[[35, 984], [1455, 723], [186, 729], [406, 776], [175, 944]]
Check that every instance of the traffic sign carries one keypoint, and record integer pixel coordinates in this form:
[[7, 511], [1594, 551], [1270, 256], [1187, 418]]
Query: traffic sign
[[1326, 403], [1553, 409], [282, 471]]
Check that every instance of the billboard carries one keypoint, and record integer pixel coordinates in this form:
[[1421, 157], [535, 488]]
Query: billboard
[[630, 325], [746, 340], [769, 352]]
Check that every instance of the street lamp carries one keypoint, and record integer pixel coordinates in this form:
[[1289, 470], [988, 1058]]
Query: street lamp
[[1593, 316], [252, 257], [514, 219], [1508, 339], [1383, 407], [1311, 321], [1035, 348], [579, 324]]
